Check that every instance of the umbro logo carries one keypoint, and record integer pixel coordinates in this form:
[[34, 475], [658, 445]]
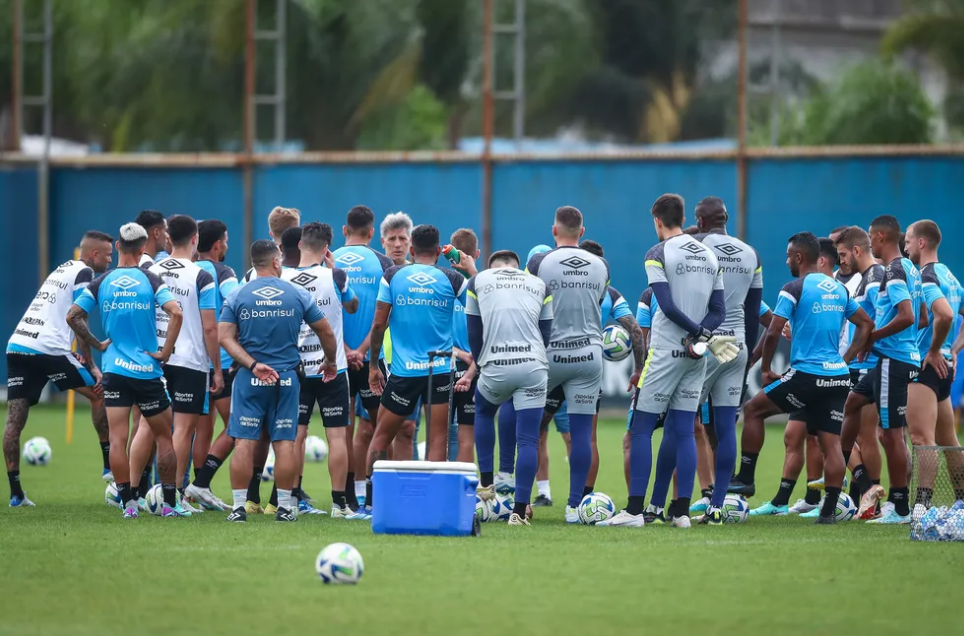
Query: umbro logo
[[349, 258], [422, 279], [303, 279], [692, 247], [170, 264], [575, 262], [827, 285], [125, 282], [510, 273], [728, 249], [267, 293]]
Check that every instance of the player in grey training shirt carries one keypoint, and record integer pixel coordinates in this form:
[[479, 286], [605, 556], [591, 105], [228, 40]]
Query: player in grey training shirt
[[686, 281], [577, 281], [509, 319]]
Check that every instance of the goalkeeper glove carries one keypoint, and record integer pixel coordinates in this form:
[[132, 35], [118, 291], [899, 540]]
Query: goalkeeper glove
[[723, 348], [696, 345]]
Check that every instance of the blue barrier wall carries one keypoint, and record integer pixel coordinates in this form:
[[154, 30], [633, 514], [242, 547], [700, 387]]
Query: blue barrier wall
[[785, 196]]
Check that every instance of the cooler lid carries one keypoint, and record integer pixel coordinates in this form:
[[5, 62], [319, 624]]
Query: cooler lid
[[461, 468]]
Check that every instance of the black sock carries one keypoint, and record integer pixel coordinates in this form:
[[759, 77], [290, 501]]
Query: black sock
[[338, 498], [959, 494], [180, 491], [520, 508], [145, 484], [350, 491], [126, 493], [301, 496], [899, 497], [855, 492], [670, 511], [635, 505], [846, 457], [485, 479], [783, 495], [681, 505], [254, 486], [748, 467], [206, 472], [105, 451], [368, 492], [830, 502], [15, 489], [924, 496], [812, 497], [707, 492], [586, 490], [862, 477], [273, 500], [170, 494]]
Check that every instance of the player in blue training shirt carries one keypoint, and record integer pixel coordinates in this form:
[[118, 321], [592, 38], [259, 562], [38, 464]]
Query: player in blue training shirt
[[895, 344], [930, 416], [131, 363], [462, 421], [260, 326], [418, 302], [817, 382]]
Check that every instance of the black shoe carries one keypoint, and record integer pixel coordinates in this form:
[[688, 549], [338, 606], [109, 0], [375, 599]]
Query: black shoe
[[238, 515], [542, 502], [828, 521], [738, 487], [652, 514], [712, 517], [284, 514]]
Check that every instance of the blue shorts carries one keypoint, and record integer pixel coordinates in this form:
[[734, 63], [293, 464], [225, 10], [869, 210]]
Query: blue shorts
[[273, 408], [561, 418]]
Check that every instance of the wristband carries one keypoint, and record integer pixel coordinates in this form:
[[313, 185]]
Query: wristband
[[253, 365]]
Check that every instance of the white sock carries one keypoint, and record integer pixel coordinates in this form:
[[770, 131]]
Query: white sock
[[284, 499], [501, 476], [359, 488], [240, 497], [543, 487]]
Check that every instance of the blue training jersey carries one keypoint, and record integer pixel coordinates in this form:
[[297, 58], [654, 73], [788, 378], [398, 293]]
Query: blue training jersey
[[268, 313], [901, 282], [764, 308], [613, 306], [365, 268], [423, 299], [644, 311], [938, 282], [460, 328], [817, 307], [126, 297], [866, 297], [226, 281]]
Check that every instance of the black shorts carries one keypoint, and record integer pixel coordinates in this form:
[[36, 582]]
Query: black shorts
[[28, 374], [464, 403], [942, 388], [815, 399], [358, 385], [886, 386], [150, 396], [332, 400], [229, 374], [401, 395], [188, 390], [557, 396]]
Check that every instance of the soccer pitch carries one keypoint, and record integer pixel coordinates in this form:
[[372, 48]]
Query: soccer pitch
[[73, 566]]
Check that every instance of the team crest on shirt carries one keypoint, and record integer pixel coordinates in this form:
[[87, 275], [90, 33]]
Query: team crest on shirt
[[728, 249], [349, 258], [422, 279], [125, 282]]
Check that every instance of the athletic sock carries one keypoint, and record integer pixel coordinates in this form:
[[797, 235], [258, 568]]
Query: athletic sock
[[485, 479], [959, 494], [747, 467], [240, 497], [899, 497], [924, 496], [520, 509], [485, 437], [145, 484], [206, 473], [507, 435], [273, 500], [680, 425], [105, 452], [707, 493], [13, 476], [580, 459], [359, 488], [813, 496], [254, 486], [543, 487], [369, 494], [724, 418], [862, 477], [640, 458], [284, 500], [170, 494], [126, 493], [665, 466], [587, 490], [527, 437], [682, 506], [783, 494], [830, 501], [351, 499], [635, 506], [296, 494], [339, 499]]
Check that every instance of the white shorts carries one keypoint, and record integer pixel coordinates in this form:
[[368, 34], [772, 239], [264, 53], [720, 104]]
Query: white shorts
[[724, 382], [671, 379], [523, 382], [579, 373]]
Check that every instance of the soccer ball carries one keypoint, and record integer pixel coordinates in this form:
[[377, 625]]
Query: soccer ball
[[339, 563], [735, 509], [316, 449], [483, 509], [37, 452], [596, 507], [500, 508], [616, 343], [268, 473], [155, 500], [846, 509], [112, 496]]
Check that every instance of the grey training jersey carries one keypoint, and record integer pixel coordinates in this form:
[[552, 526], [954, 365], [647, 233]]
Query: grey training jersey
[[577, 282], [692, 273], [742, 271], [511, 303]]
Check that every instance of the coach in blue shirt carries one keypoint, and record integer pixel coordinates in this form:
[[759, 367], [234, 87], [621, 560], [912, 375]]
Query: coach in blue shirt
[[259, 328]]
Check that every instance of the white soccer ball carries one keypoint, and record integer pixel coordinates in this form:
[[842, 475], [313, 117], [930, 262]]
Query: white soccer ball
[[483, 509], [500, 508], [112, 495], [155, 500], [37, 451], [596, 507], [339, 563], [268, 473], [617, 345], [846, 508], [316, 449], [735, 509]]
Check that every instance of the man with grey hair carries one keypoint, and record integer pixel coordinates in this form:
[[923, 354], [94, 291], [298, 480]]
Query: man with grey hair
[[396, 231]]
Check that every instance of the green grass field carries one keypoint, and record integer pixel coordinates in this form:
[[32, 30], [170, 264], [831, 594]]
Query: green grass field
[[73, 566]]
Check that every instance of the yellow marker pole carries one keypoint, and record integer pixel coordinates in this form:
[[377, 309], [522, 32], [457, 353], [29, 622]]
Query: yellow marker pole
[[71, 396]]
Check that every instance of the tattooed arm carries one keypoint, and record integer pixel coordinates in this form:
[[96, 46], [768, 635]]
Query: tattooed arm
[[639, 348], [77, 319]]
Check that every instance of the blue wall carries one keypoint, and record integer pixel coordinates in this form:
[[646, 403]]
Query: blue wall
[[785, 196]]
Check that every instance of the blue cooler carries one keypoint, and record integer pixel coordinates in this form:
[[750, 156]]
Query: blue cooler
[[429, 498]]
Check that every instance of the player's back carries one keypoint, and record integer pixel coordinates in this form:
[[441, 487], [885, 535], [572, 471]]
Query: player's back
[[225, 281], [577, 281], [740, 266], [423, 299], [816, 306], [510, 303], [43, 327], [936, 276], [327, 288], [901, 282], [194, 289], [691, 271], [365, 268]]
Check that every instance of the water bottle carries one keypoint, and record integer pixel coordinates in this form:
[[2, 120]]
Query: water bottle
[[452, 254]]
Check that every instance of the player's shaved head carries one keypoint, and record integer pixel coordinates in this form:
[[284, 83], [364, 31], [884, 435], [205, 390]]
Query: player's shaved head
[[96, 249], [93, 236], [263, 254], [803, 250], [928, 231], [711, 214], [593, 248], [568, 222], [133, 238], [504, 258]]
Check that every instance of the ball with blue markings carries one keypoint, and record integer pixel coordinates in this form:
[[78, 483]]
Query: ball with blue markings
[[112, 495], [595, 508], [735, 509], [500, 508], [339, 563], [617, 344], [155, 500], [37, 451], [846, 508]]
